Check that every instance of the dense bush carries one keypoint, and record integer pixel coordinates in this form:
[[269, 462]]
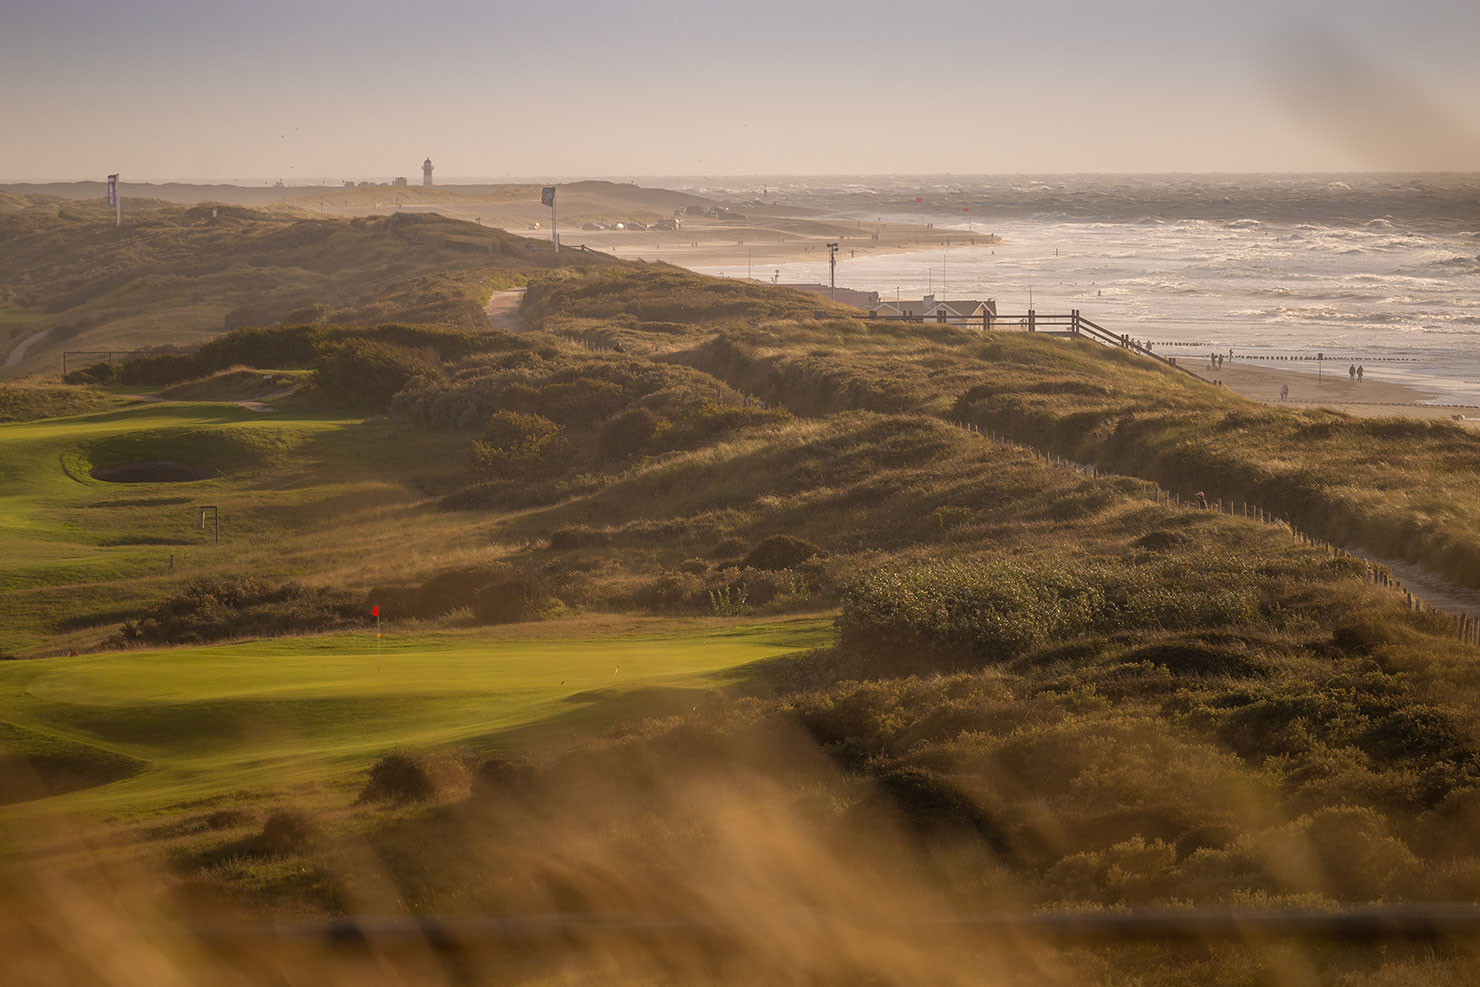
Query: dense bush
[[161, 369], [365, 375], [397, 776], [996, 610], [97, 373], [493, 592], [627, 434], [214, 608], [781, 552], [520, 446]]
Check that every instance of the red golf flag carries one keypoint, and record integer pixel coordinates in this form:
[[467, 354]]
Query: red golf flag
[[919, 198], [375, 610]]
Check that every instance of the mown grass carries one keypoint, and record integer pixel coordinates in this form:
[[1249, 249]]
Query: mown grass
[[274, 716]]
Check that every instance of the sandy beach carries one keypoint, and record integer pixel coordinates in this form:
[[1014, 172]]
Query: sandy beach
[[1371, 397], [757, 244], [750, 238]]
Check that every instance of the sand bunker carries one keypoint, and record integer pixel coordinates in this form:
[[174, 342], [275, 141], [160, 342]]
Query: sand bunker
[[158, 471]]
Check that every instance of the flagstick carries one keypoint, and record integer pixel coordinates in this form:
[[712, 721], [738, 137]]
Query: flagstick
[[377, 639]]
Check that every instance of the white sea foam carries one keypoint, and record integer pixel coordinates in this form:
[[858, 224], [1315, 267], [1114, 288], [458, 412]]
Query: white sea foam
[[1267, 265]]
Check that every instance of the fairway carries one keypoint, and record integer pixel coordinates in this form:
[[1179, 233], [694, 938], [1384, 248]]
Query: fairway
[[264, 716]]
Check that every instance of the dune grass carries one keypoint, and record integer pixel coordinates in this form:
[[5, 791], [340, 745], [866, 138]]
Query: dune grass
[[1399, 488], [176, 276]]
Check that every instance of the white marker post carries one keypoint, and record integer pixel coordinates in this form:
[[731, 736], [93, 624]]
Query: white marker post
[[547, 198]]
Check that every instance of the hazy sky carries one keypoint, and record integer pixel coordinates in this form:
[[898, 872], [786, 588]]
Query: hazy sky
[[300, 90]]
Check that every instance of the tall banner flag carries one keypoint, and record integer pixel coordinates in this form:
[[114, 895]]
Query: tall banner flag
[[113, 190], [547, 198]]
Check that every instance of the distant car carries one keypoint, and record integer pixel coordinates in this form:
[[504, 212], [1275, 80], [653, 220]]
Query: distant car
[[633, 224]]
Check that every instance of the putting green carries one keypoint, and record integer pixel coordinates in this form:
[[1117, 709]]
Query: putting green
[[192, 723]]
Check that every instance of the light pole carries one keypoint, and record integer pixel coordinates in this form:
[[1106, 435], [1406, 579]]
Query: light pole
[[832, 263]]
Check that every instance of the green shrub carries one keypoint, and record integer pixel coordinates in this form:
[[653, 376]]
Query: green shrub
[[97, 373], [398, 777], [493, 592], [628, 433], [512, 596], [996, 610], [213, 608], [519, 445], [365, 375], [161, 369], [284, 832]]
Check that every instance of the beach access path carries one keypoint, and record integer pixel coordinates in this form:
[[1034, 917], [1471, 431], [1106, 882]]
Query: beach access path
[[503, 310]]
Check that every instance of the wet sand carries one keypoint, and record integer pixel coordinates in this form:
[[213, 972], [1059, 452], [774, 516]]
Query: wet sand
[[1371, 397]]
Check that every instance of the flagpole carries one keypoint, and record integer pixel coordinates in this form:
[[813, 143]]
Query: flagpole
[[377, 638]]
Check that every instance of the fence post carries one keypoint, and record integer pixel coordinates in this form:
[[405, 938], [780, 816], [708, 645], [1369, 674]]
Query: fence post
[[1032, 321]]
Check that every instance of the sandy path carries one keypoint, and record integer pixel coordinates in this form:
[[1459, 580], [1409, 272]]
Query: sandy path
[[260, 404], [19, 353], [1433, 590], [503, 310]]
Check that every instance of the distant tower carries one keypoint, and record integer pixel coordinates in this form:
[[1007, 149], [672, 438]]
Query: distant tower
[[426, 172]]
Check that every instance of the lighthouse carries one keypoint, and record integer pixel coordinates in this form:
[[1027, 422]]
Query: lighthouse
[[426, 172]]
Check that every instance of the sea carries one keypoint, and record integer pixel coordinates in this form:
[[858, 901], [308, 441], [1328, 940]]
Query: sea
[[1306, 272]]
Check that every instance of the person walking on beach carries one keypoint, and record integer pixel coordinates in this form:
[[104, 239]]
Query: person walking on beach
[[1359, 371], [1351, 371], [1284, 392]]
